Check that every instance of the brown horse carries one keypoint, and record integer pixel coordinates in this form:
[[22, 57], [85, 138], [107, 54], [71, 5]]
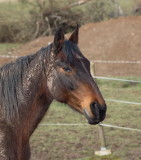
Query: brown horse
[[29, 85]]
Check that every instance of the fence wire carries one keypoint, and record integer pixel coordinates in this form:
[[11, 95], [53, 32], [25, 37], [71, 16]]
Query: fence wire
[[126, 62], [86, 124], [116, 79]]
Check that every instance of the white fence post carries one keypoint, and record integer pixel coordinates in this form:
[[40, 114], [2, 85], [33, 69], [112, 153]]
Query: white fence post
[[103, 151]]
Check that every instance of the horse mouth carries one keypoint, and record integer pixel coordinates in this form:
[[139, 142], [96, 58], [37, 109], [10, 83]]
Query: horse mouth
[[98, 117]]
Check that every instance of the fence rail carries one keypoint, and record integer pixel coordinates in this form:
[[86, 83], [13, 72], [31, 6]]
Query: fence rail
[[126, 62], [8, 56], [119, 127], [116, 79], [119, 101], [94, 61], [86, 124]]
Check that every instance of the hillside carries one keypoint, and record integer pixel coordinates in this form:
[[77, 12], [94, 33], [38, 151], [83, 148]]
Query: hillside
[[116, 40]]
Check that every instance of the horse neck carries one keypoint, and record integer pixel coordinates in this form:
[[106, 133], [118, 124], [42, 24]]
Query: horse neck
[[24, 99], [34, 82], [36, 94]]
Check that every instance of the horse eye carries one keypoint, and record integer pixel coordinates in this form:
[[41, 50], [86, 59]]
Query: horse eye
[[67, 69]]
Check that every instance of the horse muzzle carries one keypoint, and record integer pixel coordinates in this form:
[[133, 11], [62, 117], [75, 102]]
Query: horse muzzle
[[98, 111]]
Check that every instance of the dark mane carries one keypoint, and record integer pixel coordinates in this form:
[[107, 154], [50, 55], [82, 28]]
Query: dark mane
[[12, 79]]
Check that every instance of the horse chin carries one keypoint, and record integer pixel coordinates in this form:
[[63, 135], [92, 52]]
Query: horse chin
[[75, 108]]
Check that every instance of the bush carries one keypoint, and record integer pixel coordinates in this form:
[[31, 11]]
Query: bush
[[102, 10], [34, 20], [25, 20]]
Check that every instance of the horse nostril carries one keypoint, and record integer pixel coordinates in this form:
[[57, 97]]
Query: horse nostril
[[94, 108], [98, 110], [102, 111], [103, 108]]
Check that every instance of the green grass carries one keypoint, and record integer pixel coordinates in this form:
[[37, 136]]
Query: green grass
[[6, 48], [127, 6], [22, 11], [111, 157], [112, 89], [19, 11], [78, 142]]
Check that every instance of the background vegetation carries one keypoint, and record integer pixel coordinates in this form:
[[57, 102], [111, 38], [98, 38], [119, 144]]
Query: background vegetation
[[25, 20]]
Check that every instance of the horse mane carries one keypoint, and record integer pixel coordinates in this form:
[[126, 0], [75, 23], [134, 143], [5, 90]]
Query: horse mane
[[11, 82], [12, 75]]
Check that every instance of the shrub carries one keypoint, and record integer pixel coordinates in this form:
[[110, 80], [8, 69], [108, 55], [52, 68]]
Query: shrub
[[101, 10], [34, 20]]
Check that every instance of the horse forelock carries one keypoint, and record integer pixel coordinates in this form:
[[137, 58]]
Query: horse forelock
[[71, 51]]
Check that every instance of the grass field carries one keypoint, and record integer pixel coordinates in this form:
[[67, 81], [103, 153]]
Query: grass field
[[78, 142]]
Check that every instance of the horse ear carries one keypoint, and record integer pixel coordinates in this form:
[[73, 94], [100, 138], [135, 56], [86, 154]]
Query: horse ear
[[58, 38], [74, 35]]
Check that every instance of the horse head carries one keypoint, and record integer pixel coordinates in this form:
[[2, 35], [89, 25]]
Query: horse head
[[71, 81]]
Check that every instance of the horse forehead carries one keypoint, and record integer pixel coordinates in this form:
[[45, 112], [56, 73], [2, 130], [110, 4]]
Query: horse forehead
[[71, 58], [82, 63]]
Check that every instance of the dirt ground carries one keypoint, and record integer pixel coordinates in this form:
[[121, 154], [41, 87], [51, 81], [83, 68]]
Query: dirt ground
[[115, 40]]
